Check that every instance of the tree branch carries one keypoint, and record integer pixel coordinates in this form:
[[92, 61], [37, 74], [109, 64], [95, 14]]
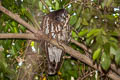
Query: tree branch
[[81, 45], [71, 1], [18, 36], [115, 69], [43, 2], [76, 54]]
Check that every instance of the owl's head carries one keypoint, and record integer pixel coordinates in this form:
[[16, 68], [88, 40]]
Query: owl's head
[[59, 15]]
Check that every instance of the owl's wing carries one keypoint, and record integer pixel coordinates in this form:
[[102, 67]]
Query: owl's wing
[[54, 55]]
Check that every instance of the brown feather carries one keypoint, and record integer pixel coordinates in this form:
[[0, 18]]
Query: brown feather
[[55, 25]]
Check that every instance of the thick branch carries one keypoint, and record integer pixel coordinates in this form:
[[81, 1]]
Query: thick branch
[[114, 68], [69, 50], [17, 18], [18, 36]]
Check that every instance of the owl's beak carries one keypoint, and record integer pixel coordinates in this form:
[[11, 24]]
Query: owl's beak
[[68, 17]]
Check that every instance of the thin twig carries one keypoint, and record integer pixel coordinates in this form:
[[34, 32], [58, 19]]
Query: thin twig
[[79, 44], [33, 20], [71, 1], [43, 2], [87, 75]]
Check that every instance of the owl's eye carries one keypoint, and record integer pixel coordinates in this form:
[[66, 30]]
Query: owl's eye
[[57, 18], [63, 15], [60, 19]]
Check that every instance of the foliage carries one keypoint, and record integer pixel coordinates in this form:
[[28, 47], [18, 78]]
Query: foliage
[[93, 22]]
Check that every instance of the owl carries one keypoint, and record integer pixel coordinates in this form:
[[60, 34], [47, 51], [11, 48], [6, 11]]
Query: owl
[[55, 25]]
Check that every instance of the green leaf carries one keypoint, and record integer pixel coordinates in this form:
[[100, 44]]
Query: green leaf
[[14, 23], [73, 19], [99, 40], [96, 54], [86, 15], [114, 45], [57, 5], [15, 29], [22, 28], [49, 3], [3, 64], [84, 22], [13, 51], [40, 5], [113, 39], [105, 61], [78, 23], [69, 69], [64, 2], [79, 10], [6, 28], [105, 39], [110, 17], [107, 48], [11, 28], [23, 10], [93, 32], [74, 34], [112, 51], [108, 2], [117, 57], [7, 44], [83, 32]]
